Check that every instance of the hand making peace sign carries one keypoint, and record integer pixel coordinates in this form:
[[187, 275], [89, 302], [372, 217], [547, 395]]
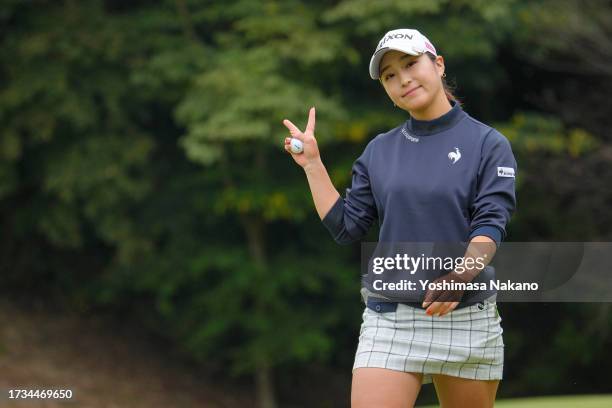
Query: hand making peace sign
[[311, 150]]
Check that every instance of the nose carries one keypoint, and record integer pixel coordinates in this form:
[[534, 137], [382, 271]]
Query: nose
[[405, 78]]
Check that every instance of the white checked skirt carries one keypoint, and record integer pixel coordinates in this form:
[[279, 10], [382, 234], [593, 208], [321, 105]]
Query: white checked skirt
[[465, 343]]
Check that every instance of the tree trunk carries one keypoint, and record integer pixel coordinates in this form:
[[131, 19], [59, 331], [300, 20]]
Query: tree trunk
[[264, 384]]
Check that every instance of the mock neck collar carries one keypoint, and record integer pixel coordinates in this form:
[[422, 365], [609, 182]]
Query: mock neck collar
[[439, 124]]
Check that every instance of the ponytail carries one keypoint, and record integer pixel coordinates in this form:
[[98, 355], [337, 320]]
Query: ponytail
[[448, 89]]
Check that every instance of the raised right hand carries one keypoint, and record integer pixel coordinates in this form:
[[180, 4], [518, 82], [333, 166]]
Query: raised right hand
[[311, 149]]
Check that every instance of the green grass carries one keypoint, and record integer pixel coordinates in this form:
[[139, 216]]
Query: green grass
[[569, 401]]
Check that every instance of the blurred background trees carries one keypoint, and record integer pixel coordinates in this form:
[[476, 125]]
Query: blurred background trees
[[143, 174]]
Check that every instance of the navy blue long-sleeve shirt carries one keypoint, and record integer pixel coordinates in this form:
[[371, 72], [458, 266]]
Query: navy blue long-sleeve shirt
[[444, 180]]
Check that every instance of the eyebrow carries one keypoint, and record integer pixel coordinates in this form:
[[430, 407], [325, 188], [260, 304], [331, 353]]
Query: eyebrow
[[401, 58]]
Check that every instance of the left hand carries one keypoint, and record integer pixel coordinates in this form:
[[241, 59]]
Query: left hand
[[441, 302]]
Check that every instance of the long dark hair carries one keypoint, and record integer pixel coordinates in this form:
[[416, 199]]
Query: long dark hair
[[448, 89]]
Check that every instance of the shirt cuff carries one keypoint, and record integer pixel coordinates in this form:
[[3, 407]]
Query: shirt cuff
[[490, 231], [334, 218]]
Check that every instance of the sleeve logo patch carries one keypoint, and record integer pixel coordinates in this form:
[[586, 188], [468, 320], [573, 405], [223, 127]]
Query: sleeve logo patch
[[505, 172]]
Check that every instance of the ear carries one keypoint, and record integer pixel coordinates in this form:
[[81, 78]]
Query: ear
[[440, 67]]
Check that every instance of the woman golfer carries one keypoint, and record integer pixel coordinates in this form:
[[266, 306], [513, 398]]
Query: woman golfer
[[441, 176]]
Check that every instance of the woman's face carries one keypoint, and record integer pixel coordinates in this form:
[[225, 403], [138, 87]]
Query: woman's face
[[412, 82]]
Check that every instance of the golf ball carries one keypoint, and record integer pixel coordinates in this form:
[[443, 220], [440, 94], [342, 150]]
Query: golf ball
[[296, 146]]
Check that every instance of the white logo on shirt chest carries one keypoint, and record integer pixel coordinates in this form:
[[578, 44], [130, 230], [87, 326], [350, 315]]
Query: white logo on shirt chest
[[454, 156]]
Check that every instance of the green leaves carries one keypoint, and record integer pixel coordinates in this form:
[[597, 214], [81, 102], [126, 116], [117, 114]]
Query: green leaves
[[532, 133], [242, 96]]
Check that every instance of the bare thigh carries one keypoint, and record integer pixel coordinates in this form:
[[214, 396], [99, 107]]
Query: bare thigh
[[455, 392], [382, 388]]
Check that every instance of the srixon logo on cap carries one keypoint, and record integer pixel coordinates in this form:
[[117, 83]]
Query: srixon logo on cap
[[395, 37]]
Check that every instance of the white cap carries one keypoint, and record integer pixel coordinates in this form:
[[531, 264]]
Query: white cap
[[405, 40]]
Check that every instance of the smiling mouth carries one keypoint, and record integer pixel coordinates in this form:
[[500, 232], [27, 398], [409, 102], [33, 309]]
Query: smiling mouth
[[411, 91]]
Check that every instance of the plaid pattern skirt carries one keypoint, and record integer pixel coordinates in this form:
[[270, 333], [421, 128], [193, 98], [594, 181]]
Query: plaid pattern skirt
[[465, 343]]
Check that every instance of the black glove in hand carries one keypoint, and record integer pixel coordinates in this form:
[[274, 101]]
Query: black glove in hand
[[450, 280]]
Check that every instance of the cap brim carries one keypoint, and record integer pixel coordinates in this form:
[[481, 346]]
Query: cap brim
[[377, 57]]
